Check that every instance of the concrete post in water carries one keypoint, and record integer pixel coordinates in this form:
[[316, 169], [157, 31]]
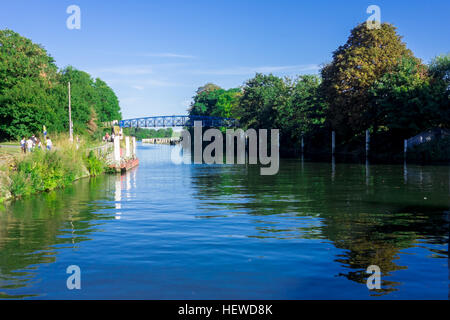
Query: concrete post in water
[[134, 147], [303, 145], [333, 142], [405, 147], [117, 150], [127, 147], [367, 143]]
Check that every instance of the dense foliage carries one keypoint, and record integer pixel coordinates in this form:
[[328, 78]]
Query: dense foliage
[[212, 100], [366, 56], [33, 92], [373, 83], [142, 133], [43, 170]]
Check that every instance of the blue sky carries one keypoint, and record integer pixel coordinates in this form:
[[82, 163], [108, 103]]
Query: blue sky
[[155, 54]]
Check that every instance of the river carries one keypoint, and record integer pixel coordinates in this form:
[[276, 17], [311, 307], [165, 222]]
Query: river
[[167, 231]]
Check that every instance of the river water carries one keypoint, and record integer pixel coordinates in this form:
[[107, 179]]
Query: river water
[[167, 231]]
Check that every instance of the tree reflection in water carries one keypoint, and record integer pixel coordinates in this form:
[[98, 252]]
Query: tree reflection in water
[[34, 228], [371, 214]]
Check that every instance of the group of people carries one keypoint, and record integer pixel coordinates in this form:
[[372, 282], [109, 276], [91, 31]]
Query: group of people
[[109, 138], [28, 145]]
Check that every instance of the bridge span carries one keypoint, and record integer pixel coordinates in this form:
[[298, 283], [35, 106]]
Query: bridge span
[[178, 121]]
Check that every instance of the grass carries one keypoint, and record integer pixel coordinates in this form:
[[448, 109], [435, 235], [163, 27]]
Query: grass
[[43, 170], [11, 151]]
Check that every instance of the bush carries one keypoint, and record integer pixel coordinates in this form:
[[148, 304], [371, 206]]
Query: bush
[[44, 170], [434, 151], [95, 165]]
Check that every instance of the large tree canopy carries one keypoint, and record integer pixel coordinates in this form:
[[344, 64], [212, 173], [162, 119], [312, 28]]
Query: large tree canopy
[[263, 98], [403, 101], [34, 93], [366, 56], [212, 100]]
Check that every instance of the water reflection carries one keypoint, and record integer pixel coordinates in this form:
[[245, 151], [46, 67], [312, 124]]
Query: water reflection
[[32, 230], [221, 231], [372, 213]]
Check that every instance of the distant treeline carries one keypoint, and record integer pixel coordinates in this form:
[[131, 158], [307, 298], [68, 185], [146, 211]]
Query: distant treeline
[[141, 133], [372, 83], [33, 93]]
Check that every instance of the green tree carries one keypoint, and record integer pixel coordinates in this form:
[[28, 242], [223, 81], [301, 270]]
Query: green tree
[[308, 108], [366, 56], [408, 100], [20, 58], [143, 133], [211, 100], [28, 82], [264, 97], [83, 98], [27, 106], [92, 101], [439, 70], [107, 104], [33, 93]]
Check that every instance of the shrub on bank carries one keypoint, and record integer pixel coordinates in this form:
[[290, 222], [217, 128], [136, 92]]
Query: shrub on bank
[[94, 165], [44, 170]]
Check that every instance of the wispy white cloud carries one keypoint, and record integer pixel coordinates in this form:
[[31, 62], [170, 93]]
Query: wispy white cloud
[[166, 55], [152, 54], [158, 83], [237, 71], [130, 70], [143, 83], [137, 69]]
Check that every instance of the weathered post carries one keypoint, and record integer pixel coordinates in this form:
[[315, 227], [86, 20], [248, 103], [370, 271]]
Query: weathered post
[[405, 148], [333, 142], [127, 147], [117, 151], [303, 145], [367, 143], [134, 147]]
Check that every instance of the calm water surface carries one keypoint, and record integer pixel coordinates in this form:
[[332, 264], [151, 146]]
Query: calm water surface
[[166, 231]]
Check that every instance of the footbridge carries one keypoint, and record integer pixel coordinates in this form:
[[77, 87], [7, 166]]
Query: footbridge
[[178, 121]]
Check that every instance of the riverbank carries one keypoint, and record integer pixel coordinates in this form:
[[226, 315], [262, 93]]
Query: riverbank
[[43, 170]]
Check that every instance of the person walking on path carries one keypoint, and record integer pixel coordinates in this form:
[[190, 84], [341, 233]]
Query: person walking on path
[[49, 144], [29, 144], [34, 139], [23, 145]]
